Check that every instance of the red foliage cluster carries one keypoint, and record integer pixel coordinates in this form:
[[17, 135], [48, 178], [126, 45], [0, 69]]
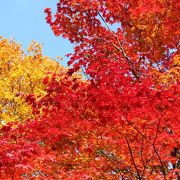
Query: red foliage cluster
[[117, 124]]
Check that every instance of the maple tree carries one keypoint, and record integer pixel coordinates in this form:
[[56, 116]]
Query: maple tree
[[122, 121], [21, 74]]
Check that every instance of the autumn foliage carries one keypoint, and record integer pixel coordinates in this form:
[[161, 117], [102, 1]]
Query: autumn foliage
[[21, 74], [120, 119]]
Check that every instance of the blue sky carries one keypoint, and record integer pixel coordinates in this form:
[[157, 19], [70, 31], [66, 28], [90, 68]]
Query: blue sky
[[24, 21]]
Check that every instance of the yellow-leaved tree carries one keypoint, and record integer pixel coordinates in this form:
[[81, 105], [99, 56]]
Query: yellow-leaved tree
[[22, 73], [170, 76]]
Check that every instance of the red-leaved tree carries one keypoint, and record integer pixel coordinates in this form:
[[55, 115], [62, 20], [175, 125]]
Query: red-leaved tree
[[122, 121]]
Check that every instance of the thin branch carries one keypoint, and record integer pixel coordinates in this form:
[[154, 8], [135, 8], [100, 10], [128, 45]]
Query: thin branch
[[163, 170], [120, 48], [130, 150]]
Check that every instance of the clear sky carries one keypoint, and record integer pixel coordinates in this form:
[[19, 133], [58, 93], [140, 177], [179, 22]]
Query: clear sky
[[24, 21]]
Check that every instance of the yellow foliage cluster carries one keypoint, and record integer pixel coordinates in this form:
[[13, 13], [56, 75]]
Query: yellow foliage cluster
[[21, 73], [170, 76]]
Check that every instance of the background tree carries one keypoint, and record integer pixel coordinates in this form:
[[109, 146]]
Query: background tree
[[20, 75]]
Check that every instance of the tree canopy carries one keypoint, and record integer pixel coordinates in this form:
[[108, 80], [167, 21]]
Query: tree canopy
[[120, 119]]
